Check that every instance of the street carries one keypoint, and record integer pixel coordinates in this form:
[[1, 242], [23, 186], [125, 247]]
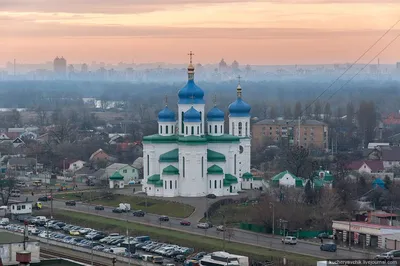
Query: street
[[240, 236]]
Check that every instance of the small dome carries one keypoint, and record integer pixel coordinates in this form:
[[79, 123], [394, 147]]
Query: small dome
[[239, 108], [215, 114], [191, 94], [166, 115], [192, 115]]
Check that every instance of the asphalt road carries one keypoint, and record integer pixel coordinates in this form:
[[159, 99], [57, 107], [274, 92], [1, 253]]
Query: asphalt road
[[241, 236]]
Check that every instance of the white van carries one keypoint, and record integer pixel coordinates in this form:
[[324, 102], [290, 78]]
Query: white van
[[291, 240], [118, 251], [148, 258]]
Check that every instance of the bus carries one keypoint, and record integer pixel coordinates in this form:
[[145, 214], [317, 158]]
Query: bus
[[37, 183]]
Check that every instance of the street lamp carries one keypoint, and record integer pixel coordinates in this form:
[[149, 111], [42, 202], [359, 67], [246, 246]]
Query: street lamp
[[273, 218]]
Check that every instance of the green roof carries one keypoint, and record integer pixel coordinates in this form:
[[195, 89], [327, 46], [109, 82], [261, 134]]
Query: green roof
[[170, 157], [159, 183], [192, 140], [328, 177], [229, 180], [280, 175], [215, 170], [170, 170], [247, 176], [223, 139], [153, 179], [213, 156], [318, 183], [160, 139], [299, 182], [117, 176]]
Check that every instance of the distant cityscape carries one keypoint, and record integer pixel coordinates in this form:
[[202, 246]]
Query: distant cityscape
[[59, 69]]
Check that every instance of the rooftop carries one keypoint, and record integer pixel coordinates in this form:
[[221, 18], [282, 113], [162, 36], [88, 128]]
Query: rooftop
[[308, 122], [6, 238]]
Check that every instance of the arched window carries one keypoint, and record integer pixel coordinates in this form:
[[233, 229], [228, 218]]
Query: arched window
[[148, 165], [192, 130], [234, 165], [176, 184], [166, 129], [172, 129], [160, 129], [183, 166], [216, 129], [215, 183], [198, 130], [209, 131], [165, 184], [187, 130], [182, 115], [240, 129], [222, 130], [201, 128], [202, 166], [220, 183], [246, 133], [170, 184], [210, 186], [233, 128]]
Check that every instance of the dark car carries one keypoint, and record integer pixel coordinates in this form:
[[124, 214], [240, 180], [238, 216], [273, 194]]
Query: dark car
[[99, 208], [44, 198], [164, 218], [185, 223], [180, 258], [139, 213], [70, 203], [331, 247], [117, 210], [211, 196]]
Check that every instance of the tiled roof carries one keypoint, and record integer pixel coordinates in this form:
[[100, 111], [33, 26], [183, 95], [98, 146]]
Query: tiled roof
[[116, 176], [170, 170], [215, 170], [213, 156], [392, 154], [374, 165], [170, 157]]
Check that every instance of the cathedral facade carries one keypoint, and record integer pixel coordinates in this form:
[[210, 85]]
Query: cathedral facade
[[191, 156]]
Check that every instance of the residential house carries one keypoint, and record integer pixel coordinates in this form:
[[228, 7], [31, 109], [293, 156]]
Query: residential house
[[390, 156], [129, 173], [367, 166], [20, 210], [286, 179], [76, 165], [138, 164], [116, 180], [99, 155], [310, 133], [322, 179], [249, 181], [21, 164]]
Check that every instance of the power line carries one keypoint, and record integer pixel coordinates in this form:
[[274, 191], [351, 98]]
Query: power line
[[355, 62]]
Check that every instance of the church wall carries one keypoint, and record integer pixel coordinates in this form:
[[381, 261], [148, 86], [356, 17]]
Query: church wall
[[244, 157], [215, 185], [171, 185], [154, 151]]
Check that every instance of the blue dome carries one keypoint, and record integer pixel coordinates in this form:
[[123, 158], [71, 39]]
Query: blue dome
[[215, 114], [191, 94], [239, 108], [192, 115], [166, 115]]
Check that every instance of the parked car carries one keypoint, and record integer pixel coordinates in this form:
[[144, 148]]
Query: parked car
[[138, 213], [44, 198], [331, 247], [211, 196], [185, 223], [388, 255], [70, 203], [117, 210], [220, 228], [290, 240], [180, 258], [99, 208], [325, 235], [164, 218], [203, 225]]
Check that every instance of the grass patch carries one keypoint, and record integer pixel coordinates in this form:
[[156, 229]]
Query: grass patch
[[234, 214], [155, 206], [200, 243]]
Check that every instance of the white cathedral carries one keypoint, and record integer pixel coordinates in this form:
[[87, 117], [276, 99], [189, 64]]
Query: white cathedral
[[191, 156]]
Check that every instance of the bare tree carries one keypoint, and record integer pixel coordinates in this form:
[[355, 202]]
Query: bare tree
[[41, 115], [229, 232], [328, 208], [299, 162], [6, 186]]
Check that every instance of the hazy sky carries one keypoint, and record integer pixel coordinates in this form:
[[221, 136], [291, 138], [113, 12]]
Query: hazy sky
[[254, 32]]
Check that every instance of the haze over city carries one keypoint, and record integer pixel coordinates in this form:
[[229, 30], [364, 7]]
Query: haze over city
[[252, 32]]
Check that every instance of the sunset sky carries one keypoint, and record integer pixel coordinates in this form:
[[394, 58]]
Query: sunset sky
[[252, 32]]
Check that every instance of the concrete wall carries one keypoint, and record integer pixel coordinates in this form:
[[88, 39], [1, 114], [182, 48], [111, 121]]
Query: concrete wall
[[8, 251]]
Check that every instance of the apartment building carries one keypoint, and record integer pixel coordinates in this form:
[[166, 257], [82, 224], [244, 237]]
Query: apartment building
[[307, 133]]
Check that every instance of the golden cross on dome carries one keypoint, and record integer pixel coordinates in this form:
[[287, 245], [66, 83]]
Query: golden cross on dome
[[239, 78], [166, 100], [191, 54]]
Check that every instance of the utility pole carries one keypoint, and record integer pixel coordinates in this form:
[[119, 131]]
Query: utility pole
[[273, 218], [51, 203], [127, 235], [223, 232]]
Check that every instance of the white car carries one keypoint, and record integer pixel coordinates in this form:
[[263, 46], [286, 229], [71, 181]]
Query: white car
[[290, 240], [203, 225]]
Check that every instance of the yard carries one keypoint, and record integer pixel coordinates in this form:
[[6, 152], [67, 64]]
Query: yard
[[234, 214], [200, 243], [150, 205]]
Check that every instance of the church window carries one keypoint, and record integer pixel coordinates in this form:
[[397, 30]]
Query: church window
[[172, 129], [160, 129], [176, 184], [234, 165], [233, 128], [215, 183], [170, 184], [246, 133], [209, 131], [198, 130], [240, 129], [166, 129], [216, 129], [182, 123], [148, 165], [187, 130], [202, 166], [221, 130], [192, 130], [210, 183], [165, 184], [201, 128], [183, 166], [220, 183]]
